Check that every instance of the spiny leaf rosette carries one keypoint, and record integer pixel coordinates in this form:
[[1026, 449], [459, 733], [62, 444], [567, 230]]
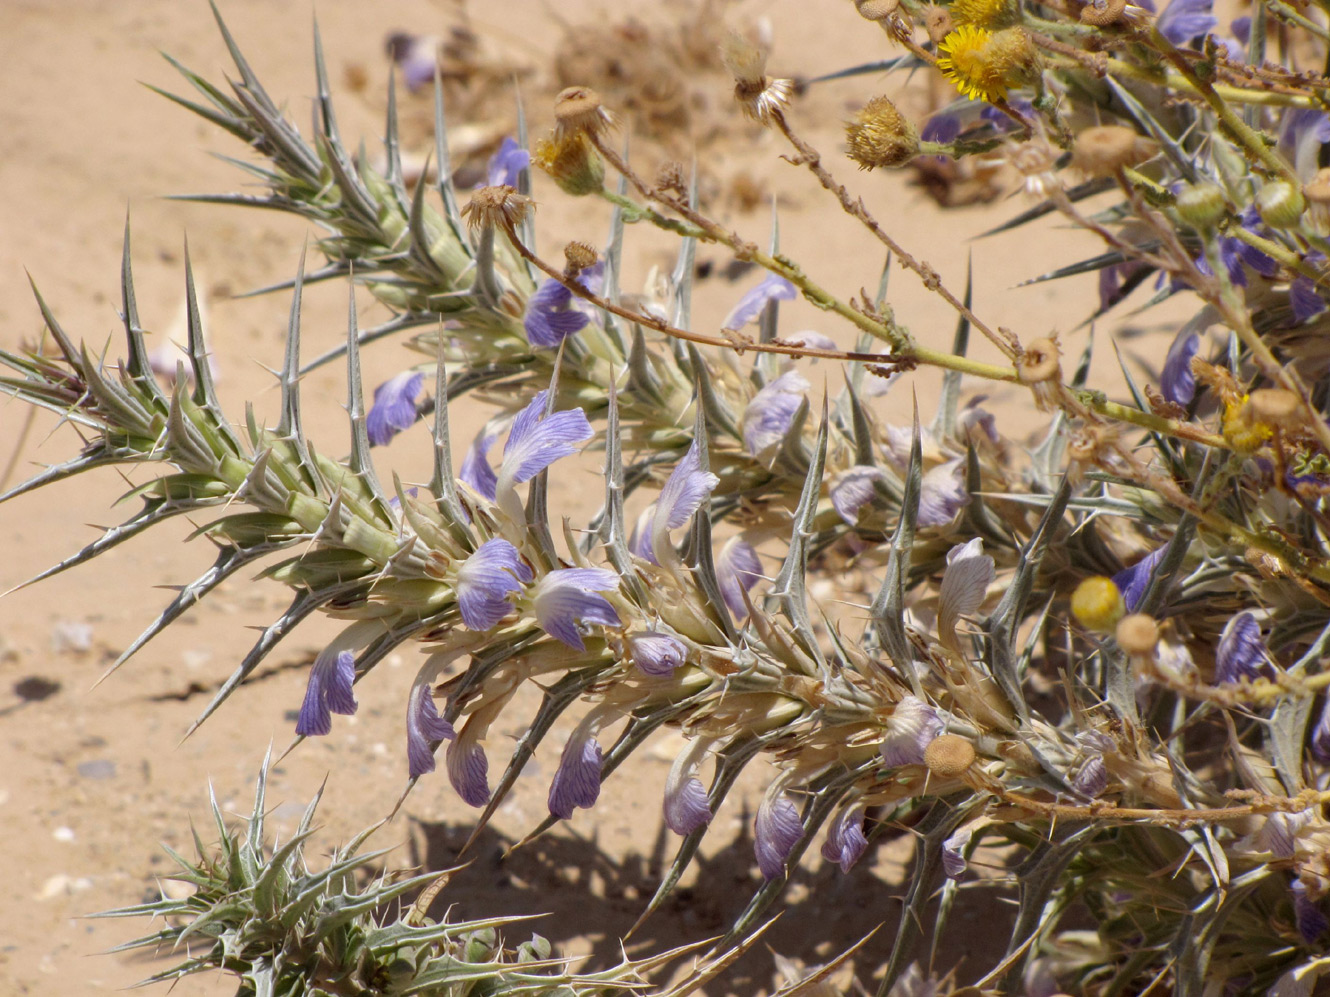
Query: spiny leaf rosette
[[1103, 656]]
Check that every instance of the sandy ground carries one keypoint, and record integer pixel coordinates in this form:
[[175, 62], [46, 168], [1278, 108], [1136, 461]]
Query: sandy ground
[[93, 779]]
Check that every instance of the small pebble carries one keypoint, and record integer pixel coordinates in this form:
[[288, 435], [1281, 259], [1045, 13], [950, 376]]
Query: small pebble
[[71, 637], [63, 834], [101, 768]]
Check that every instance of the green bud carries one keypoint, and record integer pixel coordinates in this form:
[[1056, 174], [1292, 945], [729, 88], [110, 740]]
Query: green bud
[[1202, 206], [1280, 204]]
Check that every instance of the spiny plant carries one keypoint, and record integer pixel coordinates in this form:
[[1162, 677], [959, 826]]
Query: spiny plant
[[1103, 660]]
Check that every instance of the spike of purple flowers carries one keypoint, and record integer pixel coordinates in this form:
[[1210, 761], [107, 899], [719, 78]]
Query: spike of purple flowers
[[657, 653], [567, 598], [768, 416], [776, 831], [737, 570], [394, 407], [507, 164], [1177, 382], [854, 488], [749, 308], [846, 840], [1132, 582], [1241, 652], [424, 727], [486, 579], [577, 780], [328, 692]]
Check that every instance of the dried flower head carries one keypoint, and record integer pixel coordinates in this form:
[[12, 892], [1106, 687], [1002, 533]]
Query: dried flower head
[[1102, 13], [577, 256], [880, 135], [758, 95], [938, 23], [496, 207], [984, 64], [876, 10], [1039, 368], [1137, 633], [671, 178], [580, 111], [1105, 150], [949, 755]]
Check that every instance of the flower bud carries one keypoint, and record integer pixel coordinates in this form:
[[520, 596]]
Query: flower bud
[[578, 111], [1202, 206], [876, 10], [1102, 13], [1137, 634], [938, 23], [1104, 150], [1098, 604], [577, 256], [572, 162], [949, 755], [880, 135], [1280, 204]]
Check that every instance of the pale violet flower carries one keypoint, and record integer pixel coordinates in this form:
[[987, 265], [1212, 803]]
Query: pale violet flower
[[749, 308], [328, 691], [1278, 834], [768, 416], [486, 579], [1183, 20], [953, 851], [536, 441], [1092, 779], [551, 313], [965, 582], [737, 571], [577, 779], [854, 488], [569, 598], [468, 769], [424, 727], [776, 831], [685, 806], [640, 541], [417, 56], [1304, 300], [475, 470], [912, 727], [687, 488], [1307, 914], [657, 653], [1320, 742], [1177, 383], [1241, 652], [394, 407], [846, 840], [811, 339], [1132, 582], [506, 165], [942, 494]]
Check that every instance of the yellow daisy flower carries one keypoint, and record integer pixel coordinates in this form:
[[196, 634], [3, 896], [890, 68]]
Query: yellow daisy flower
[[985, 13], [982, 64]]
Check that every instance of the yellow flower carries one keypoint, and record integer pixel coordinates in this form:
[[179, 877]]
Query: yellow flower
[[1097, 604], [1241, 428], [982, 64], [985, 13]]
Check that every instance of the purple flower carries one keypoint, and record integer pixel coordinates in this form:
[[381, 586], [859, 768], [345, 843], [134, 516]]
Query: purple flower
[[568, 598], [737, 571], [537, 440], [1092, 779], [468, 769], [1307, 914], [551, 315], [1241, 29], [418, 57], [912, 727], [640, 541], [750, 306], [1320, 743], [768, 416], [1132, 582], [507, 164], [1241, 652], [1183, 20], [657, 653], [965, 582], [424, 727], [1177, 382], [1278, 834], [1302, 132], [328, 691], [685, 807], [854, 488], [475, 470], [942, 494], [953, 851], [846, 840], [577, 780], [776, 831], [1306, 302], [486, 579], [394, 407], [944, 126], [685, 490]]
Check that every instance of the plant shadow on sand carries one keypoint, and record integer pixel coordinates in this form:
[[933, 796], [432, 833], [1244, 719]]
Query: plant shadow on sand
[[577, 892]]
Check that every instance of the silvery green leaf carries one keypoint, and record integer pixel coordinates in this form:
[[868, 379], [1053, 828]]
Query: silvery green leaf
[[643, 381], [717, 409], [444, 174], [136, 364], [699, 554], [392, 147], [527, 229], [205, 393], [613, 532], [443, 484], [361, 464], [289, 426], [865, 450], [887, 612]]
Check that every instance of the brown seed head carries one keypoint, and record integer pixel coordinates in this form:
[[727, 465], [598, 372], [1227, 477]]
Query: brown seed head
[[498, 207], [1275, 407], [880, 135], [949, 755], [938, 23], [577, 256], [671, 178], [1039, 362], [1102, 13], [877, 10], [1103, 150], [1138, 633], [579, 110]]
